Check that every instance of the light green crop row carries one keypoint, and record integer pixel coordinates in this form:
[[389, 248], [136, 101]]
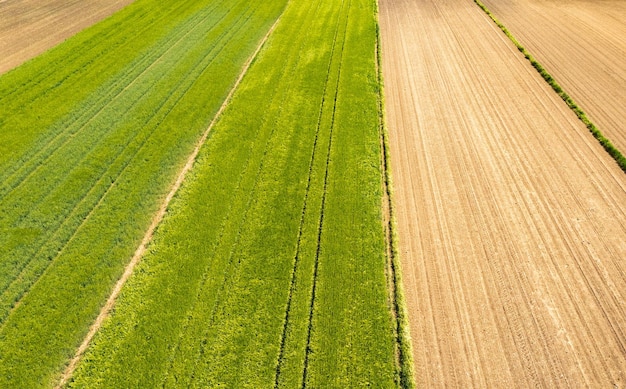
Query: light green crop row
[[269, 269], [92, 136]]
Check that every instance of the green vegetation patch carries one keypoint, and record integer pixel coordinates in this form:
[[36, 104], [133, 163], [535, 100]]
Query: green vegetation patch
[[269, 269], [93, 134]]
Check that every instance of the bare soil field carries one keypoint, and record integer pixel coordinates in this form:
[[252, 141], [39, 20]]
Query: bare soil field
[[511, 217], [30, 27], [581, 43]]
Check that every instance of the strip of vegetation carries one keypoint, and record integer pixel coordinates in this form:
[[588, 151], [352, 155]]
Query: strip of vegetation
[[79, 187], [402, 330], [606, 143], [290, 177]]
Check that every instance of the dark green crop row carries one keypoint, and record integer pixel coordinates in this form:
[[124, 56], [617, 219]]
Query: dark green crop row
[[92, 136], [605, 142], [269, 268]]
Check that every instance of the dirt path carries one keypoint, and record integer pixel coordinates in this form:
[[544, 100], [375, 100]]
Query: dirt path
[[511, 217], [158, 217], [30, 27], [581, 43]]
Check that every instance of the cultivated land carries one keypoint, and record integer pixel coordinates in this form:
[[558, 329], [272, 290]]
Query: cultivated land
[[92, 136], [511, 216], [30, 27], [581, 43], [270, 268]]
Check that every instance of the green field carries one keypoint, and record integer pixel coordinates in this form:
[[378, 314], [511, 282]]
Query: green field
[[270, 267]]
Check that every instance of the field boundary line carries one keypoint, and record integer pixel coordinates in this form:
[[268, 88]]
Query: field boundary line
[[110, 303], [404, 351], [613, 151]]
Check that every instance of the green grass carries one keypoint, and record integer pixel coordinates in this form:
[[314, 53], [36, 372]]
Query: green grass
[[269, 269], [404, 350], [605, 142], [92, 136]]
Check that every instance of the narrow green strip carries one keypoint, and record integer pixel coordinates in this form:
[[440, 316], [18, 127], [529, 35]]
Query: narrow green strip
[[403, 337], [605, 142]]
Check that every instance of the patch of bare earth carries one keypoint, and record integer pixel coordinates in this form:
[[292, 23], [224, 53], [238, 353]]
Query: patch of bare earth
[[30, 27], [511, 217], [582, 43]]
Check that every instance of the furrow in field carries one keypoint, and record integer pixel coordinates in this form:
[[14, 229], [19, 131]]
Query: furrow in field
[[511, 217], [580, 43], [28, 27]]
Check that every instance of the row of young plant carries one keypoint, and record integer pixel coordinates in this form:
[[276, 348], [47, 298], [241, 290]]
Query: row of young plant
[[269, 269], [605, 142], [79, 190]]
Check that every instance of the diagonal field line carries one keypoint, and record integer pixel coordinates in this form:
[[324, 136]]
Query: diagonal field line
[[158, 217]]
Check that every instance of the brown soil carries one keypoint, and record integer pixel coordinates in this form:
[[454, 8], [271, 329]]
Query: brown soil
[[582, 44], [511, 217], [30, 27]]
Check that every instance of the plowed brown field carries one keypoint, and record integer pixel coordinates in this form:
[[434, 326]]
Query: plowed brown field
[[30, 27], [582, 43], [511, 216]]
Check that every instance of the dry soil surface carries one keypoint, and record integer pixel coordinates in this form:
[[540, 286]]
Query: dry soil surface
[[511, 216], [30, 27], [582, 43]]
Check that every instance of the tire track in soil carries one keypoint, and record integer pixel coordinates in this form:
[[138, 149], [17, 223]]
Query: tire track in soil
[[106, 309]]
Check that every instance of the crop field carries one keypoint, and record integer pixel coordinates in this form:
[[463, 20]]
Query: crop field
[[30, 27], [581, 43], [311, 194], [511, 216], [270, 268]]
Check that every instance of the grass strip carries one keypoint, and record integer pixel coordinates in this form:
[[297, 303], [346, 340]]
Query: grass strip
[[406, 376], [605, 142]]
